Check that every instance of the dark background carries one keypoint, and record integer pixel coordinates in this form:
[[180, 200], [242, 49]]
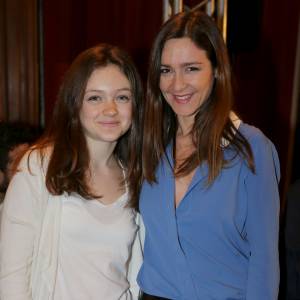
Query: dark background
[[40, 38], [262, 37]]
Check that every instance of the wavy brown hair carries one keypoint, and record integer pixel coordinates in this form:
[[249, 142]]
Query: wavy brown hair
[[69, 156], [212, 121]]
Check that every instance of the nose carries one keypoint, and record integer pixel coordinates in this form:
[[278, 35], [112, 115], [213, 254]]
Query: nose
[[110, 108], [178, 82]]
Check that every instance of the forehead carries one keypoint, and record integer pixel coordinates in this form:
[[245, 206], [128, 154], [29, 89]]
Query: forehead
[[108, 76], [182, 50]]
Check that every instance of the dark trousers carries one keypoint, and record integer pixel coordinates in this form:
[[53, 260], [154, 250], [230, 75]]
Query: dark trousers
[[150, 297]]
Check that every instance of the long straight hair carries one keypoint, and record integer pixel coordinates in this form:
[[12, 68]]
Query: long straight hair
[[69, 156], [212, 120]]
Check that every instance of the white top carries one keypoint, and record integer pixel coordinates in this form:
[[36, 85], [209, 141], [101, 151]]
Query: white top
[[30, 253], [99, 239], [1, 207]]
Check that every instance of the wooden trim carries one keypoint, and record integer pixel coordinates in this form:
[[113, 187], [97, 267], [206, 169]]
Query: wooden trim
[[19, 60], [3, 79]]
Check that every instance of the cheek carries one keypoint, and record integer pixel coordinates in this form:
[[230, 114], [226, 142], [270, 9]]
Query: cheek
[[85, 117], [87, 112], [82, 111], [82, 117], [210, 85], [127, 113], [206, 85], [130, 115], [127, 120], [163, 84]]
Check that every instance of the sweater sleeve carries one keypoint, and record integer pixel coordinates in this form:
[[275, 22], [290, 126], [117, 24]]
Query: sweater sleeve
[[136, 258], [262, 223], [18, 228]]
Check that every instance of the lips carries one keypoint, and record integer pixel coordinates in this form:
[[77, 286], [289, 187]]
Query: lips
[[182, 99], [109, 124]]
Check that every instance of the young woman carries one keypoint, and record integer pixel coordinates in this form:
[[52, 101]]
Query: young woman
[[69, 227], [210, 199]]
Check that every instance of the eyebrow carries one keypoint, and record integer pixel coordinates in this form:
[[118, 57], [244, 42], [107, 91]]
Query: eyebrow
[[102, 91], [185, 64]]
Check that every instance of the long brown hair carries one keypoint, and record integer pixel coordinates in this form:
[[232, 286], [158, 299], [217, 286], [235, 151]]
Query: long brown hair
[[69, 155], [212, 121]]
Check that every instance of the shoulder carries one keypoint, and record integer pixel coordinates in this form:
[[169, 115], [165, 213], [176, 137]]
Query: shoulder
[[253, 135], [31, 159], [259, 142], [27, 194], [264, 151], [35, 161]]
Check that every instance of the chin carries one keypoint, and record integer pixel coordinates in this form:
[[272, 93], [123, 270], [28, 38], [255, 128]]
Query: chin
[[185, 114], [109, 139]]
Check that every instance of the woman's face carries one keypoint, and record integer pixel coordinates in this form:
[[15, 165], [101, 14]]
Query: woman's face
[[186, 77], [106, 109]]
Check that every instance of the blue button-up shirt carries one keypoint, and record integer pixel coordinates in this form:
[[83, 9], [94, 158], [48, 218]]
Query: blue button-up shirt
[[220, 242]]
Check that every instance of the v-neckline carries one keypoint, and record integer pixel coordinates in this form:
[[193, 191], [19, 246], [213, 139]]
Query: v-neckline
[[195, 178], [186, 190], [170, 159]]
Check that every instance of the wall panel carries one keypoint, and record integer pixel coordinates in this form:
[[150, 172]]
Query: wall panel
[[19, 61]]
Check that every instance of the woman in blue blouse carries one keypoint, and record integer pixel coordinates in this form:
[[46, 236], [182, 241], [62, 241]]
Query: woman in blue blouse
[[210, 199]]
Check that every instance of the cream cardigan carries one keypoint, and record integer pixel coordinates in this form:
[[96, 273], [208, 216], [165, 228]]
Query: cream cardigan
[[30, 234]]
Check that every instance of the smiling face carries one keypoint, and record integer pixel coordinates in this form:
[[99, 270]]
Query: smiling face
[[186, 78], [106, 109]]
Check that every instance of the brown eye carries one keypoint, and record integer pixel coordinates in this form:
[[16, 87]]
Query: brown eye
[[94, 98], [192, 69], [123, 98], [164, 70]]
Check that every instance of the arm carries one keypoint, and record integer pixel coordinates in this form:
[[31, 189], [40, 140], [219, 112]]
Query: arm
[[136, 258], [17, 235], [262, 224]]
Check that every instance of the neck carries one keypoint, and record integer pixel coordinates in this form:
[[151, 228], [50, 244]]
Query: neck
[[184, 141], [185, 126], [101, 154]]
